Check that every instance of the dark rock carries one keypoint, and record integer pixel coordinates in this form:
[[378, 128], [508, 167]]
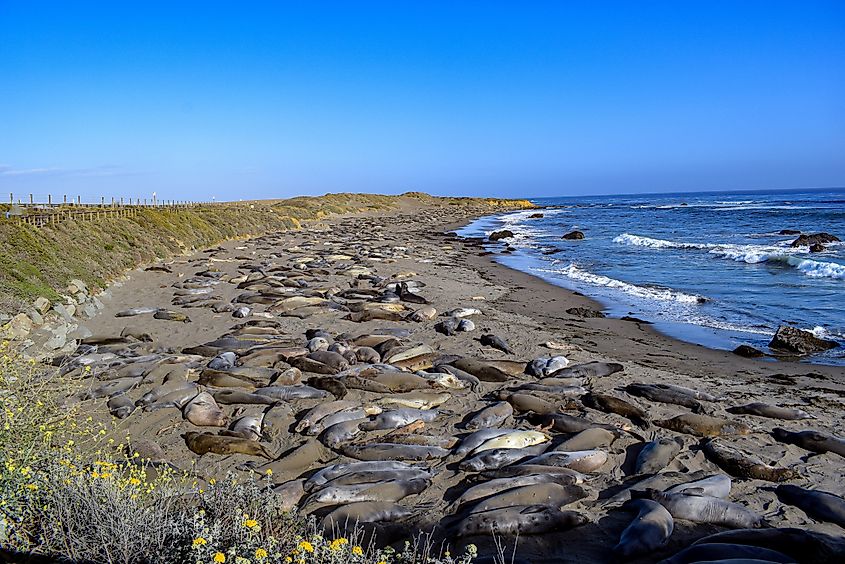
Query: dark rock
[[816, 248], [820, 238], [535, 216], [798, 341], [789, 232], [748, 351], [635, 319], [574, 235], [584, 312], [503, 234]]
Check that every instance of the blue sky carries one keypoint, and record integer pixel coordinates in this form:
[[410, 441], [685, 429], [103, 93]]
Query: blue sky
[[273, 99]]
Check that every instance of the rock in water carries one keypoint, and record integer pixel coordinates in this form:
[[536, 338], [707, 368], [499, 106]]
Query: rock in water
[[798, 341], [815, 238], [503, 234], [748, 351], [574, 235], [789, 232], [816, 248]]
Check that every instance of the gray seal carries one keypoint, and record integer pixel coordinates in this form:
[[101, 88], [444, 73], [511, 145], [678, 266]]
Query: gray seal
[[703, 509], [821, 506], [649, 531]]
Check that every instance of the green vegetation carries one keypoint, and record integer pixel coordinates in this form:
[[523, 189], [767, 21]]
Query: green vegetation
[[38, 261]]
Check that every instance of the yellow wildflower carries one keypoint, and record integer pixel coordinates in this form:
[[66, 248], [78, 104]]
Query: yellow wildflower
[[219, 557], [134, 481], [269, 471], [260, 553], [337, 543], [306, 546], [31, 487], [250, 523], [357, 551], [198, 542]]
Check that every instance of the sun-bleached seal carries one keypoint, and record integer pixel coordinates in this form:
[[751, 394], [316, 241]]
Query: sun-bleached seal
[[815, 441], [514, 439], [649, 531], [396, 418], [204, 443], [771, 411], [822, 506], [519, 520], [136, 311], [390, 491], [318, 412], [656, 455], [741, 465], [703, 425], [334, 471], [535, 494], [588, 439], [703, 509]]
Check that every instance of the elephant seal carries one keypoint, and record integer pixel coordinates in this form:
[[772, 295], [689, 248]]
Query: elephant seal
[[664, 394], [815, 441], [718, 485], [246, 427], [232, 397], [611, 404], [719, 552], [382, 451], [649, 531], [549, 493], [291, 392], [203, 443], [351, 514], [492, 416], [703, 509], [496, 486], [334, 471], [121, 406], [771, 411], [331, 385], [580, 461], [800, 544], [563, 423], [588, 439], [390, 491], [495, 342], [703, 425], [481, 370], [136, 311], [519, 520], [590, 370], [656, 455], [527, 402], [498, 457], [821, 506], [320, 411], [514, 439], [168, 315], [203, 411], [398, 418], [476, 439], [342, 432], [742, 465]]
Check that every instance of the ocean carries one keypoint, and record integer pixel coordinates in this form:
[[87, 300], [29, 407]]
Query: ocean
[[708, 268]]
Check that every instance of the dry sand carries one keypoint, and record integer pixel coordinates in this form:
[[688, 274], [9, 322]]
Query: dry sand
[[526, 312]]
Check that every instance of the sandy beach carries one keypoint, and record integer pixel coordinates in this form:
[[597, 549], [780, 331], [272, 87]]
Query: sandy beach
[[367, 252]]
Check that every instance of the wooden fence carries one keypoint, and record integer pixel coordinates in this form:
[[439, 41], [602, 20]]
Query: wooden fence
[[53, 211]]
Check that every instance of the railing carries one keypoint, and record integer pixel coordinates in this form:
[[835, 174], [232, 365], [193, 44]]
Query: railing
[[53, 211]]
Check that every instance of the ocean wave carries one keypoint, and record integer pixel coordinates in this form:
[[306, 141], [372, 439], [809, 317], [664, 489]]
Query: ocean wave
[[645, 292], [751, 254]]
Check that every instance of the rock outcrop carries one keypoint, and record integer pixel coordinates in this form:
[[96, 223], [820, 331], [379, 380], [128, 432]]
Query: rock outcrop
[[795, 340]]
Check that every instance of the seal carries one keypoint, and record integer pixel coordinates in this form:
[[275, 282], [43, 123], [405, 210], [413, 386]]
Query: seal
[[590, 370], [499, 485], [523, 403], [588, 439], [563, 423], [611, 404], [717, 485], [519, 520], [332, 385], [514, 439], [649, 531], [168, 315], [203, 411], [291, 392], [498, 457], [771, 411], [821, 506], [121, 406], [743, 465], [204, 443], [246, 427], [318, 412], [656, 455], [476, 439], [381, 451], [580, 461], [815, 441], [496, 342], [800, 544], [550, 493], [664, 394], [334, 471], [351, 514], [491, 416], [136, 311], [399, 417], [481, 370], [703, 425], [703, 509], [727, 553], [342, 432], [233, 397], [390, 491]]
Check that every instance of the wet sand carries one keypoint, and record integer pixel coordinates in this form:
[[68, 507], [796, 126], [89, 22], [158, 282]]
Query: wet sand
[[526, 312]]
